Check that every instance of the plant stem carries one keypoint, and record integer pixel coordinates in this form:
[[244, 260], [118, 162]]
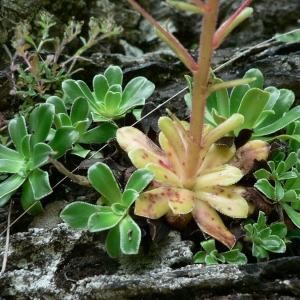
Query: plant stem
[[202, 75]]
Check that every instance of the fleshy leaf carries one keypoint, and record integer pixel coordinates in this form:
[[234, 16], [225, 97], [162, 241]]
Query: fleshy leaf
[[103, 180], [78, 213], [223, 175], [172, 157], [130, 234], [99, 134], [40, 122], [102, 221], [39, 181], [210, 222], [217, 156], [130, 138], [113, 242], [9, 186], [17, 131], [139, 180], [153, 204], [7, 153], [28, 201], [101, 86], [141, 157], [225, 201], [164, 175], [128, 197], [181, 201]]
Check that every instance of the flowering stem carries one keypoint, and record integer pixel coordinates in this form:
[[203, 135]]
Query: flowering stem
[[202, 75], [168, 38]]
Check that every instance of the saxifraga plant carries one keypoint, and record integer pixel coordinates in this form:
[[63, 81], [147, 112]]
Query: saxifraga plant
[[32, 152], [124, 234], [192, 174], [109, 101]]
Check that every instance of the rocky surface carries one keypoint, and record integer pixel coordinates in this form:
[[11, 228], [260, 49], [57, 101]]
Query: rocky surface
[[50, 260]]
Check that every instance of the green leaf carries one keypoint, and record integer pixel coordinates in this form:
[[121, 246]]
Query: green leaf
[[290, 161], [139, 180], [63, 140], [208, 245], [78, 213], [137, 89], [9, 187], [71, 89], [26, 149], [128, 197], [103, 180], [79, 110], [99, 134], [282, 105], [58, 104], [223, 106], [130, 236], [274, 244], [39, 181], [79, 151], [114, 75], [17, 131], [236, 97], [111, 102], [40, 122], [7, 153], [28, 201], [234, 256], [252, 105], [81, 127], [119, 209], [279, 191], [294, 216], [279, 229], [261, 221], [40, 154], [113, 242], [102, 221], [259, 82], [100, 85], [11, 166], [199, 257], [259, 252], [266, 188], [262, 174], [289, 117], [209, 260]]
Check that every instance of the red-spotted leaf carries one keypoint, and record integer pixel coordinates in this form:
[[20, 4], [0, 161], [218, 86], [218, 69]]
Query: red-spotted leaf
[[210, 222], [224, 200], [153, 204], [164, 175]]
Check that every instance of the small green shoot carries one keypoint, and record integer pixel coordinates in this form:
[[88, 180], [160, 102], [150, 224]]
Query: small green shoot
[[211, 256], [265, 238]]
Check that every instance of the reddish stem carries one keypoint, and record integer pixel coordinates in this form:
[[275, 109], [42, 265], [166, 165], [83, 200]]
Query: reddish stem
[[202, 5], [177, 47], [202, 75]]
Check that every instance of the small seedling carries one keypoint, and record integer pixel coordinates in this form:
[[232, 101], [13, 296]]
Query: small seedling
[[265, 238], [211, 256]]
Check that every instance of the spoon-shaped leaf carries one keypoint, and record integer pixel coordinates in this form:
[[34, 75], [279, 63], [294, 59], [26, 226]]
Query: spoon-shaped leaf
[[103, 180]]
